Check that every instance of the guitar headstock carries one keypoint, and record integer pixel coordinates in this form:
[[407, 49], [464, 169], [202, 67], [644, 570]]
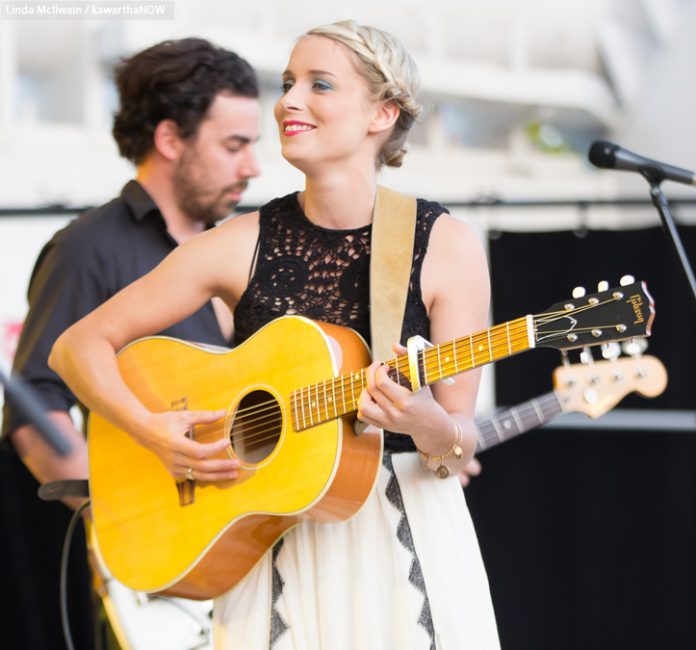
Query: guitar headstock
[[615, 314], [595, 388]]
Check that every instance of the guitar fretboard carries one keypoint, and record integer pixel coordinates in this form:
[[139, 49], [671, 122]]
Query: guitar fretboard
[[518, 419], [330, 399]]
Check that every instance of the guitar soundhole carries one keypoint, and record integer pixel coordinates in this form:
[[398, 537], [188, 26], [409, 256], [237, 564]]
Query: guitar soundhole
[[256, 427]]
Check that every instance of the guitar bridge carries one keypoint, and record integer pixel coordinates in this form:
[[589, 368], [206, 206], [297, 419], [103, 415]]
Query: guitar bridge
[[186, 492], [185, 487]]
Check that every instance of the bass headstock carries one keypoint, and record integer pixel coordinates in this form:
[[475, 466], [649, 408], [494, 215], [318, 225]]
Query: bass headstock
[[595, 388]]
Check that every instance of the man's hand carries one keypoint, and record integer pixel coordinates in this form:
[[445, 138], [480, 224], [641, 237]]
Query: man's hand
[[473, 468], [42, 460]]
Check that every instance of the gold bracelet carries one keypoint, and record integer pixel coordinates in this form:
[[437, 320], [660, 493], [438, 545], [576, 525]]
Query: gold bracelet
[[455, 450]]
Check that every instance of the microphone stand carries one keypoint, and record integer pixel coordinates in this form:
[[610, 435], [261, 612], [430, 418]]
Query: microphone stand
[[26, 402], [660, 202]]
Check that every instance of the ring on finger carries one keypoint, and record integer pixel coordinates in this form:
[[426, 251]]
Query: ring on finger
[[189, 474]]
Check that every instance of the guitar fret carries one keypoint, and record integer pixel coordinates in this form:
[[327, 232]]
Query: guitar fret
[[454, 352], [508, 423], [514, 414], [473, 356], [304, 419], [319, 401], [326, 402], [343, 396], [496, 427], [311, 406], [439, 361], [487, 434], [479, 348], [507, 334], [448, 361], [490, 349], [539, 414], [333, 397]]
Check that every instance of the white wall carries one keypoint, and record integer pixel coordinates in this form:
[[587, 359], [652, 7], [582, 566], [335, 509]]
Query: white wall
[[661, 123]]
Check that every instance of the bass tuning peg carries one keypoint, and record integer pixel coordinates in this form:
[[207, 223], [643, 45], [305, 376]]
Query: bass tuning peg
[[578, 292], [586, 357], [610, 350], [634, 347], [602, 286], [626, 280]]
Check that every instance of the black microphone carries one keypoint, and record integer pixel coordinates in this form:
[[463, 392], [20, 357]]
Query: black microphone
[[607, 155]]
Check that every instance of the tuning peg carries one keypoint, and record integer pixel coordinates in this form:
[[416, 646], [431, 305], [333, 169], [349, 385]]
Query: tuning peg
[[610, 350], [634, 347], [586, 356], [626, 280], [602, 286], [578, 292], [564, 358]]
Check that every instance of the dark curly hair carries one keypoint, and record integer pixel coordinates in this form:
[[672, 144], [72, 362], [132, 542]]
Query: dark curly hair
[[176, 80]]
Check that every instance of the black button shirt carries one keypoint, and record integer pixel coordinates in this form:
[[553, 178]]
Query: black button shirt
[[83, 265]]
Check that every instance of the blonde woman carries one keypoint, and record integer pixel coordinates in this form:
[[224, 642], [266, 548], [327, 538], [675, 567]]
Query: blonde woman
[[405, 572]]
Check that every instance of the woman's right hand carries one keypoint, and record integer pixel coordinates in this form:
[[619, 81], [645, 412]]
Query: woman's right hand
[[166, 435]]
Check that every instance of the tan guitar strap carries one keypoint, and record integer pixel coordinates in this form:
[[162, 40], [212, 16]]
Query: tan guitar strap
[[391, 257]]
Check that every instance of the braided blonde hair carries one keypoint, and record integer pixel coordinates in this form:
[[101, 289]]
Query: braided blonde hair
[[391, 75]]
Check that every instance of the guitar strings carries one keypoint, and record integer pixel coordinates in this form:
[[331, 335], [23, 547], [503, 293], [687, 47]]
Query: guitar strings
[[255, 415], [402, 362], [491, 431], [397, 364], [431, 360]]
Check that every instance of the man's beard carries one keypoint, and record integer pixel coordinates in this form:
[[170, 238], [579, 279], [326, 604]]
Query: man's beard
[[199, 202]]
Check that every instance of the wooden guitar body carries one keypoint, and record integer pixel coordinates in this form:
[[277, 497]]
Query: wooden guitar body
[[197, 539]]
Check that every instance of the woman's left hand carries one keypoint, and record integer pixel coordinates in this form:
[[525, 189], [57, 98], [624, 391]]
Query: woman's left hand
[[393, 407]]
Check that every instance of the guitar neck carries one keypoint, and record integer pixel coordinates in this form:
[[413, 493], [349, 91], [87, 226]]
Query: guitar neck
[[333, 398], [516, 420]]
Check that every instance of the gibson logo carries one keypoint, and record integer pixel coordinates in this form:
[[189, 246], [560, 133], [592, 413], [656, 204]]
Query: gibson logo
[[637, 304]]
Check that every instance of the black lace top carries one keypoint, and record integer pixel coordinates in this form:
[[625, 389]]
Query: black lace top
[[302, 268]]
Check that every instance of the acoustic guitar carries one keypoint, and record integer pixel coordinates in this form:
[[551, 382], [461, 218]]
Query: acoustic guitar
[[290, 393]]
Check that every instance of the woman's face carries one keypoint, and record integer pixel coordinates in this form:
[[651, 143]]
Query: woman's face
[[325, 113]]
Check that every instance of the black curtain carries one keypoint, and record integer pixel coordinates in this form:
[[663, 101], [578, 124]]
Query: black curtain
[[589, 535]]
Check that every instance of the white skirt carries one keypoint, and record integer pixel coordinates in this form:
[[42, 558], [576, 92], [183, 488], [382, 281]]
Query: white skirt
[[405, 573]]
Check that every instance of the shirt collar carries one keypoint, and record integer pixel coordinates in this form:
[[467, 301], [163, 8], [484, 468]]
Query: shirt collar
[[141, 204], [138, 200]]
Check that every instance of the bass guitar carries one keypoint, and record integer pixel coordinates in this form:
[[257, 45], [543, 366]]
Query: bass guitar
[[592, 389]]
